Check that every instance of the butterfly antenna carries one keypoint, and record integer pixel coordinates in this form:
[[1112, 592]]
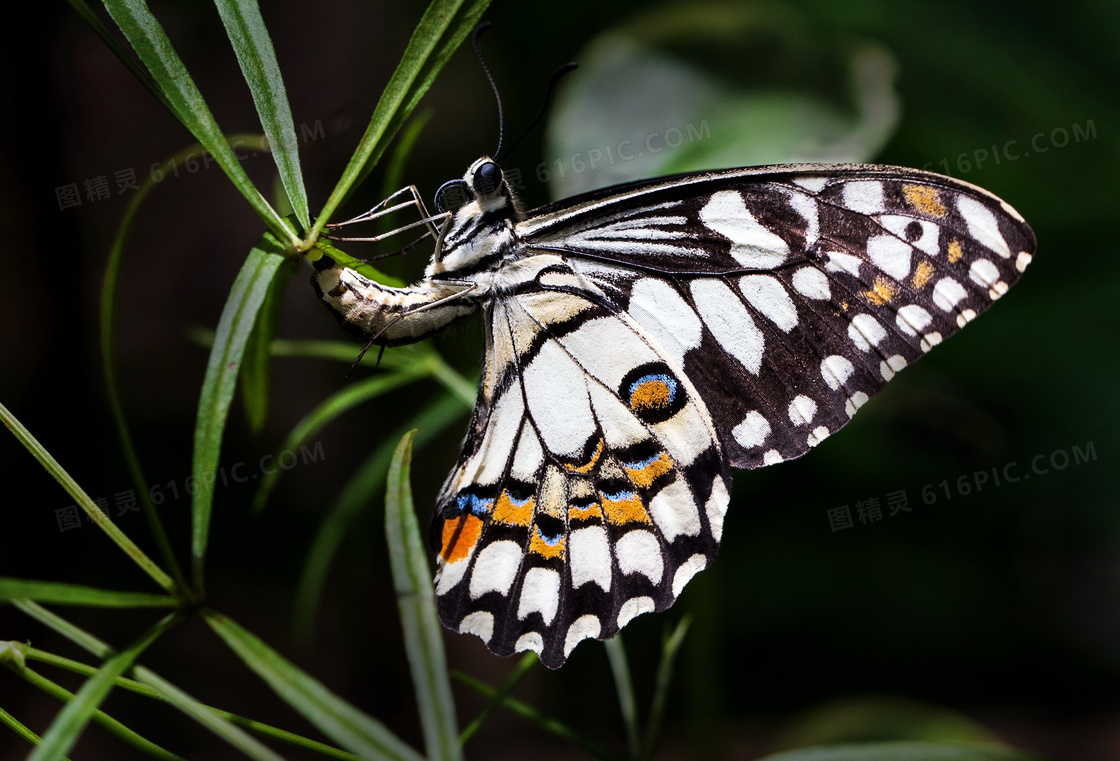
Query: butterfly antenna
[[560, 71], [476, 40]]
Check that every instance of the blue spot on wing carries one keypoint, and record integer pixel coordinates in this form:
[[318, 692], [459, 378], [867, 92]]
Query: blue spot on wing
[[474, 503]]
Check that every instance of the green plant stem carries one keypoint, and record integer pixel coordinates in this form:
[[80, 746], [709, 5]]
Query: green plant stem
[[528, 660], [670, 646], [137, 741], [17, 726], [620, 670], [101, 519], [108, 363], [526, 711]]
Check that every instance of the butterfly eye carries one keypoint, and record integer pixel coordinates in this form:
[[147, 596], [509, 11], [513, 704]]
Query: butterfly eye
[[451, 195], [487, 178]]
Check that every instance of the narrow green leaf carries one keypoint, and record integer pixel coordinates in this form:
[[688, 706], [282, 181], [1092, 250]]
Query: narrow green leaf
[[16, 726], [367, 481], [256, 365], [139, 688], [154, 48], [336, 718], [71, 721], [539, 720], [106, 524], [904, 751], [74, 594], [442, 28], [205, 716], [523, 667], [249, 37], [416, 599], [670, 647], [110, 724], [329, 409], [124, 56], [620, 670], [201, 713], [234, 327]]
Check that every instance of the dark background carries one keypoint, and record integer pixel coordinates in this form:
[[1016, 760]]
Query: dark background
[[1002, 606]]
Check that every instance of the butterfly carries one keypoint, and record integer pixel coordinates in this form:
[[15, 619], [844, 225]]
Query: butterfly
[[641, 341]]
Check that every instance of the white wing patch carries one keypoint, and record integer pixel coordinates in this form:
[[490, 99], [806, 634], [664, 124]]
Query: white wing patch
[[752, 244]]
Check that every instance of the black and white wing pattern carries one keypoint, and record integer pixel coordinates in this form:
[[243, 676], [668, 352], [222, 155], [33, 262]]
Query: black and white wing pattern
[[648, 337]]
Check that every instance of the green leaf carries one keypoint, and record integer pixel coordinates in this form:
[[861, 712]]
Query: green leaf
[[902, 752], [329, 409], [620, 670], [153, 47], [367, 481], [442, 28], [234, 326], [122, 53], [73, 594], [150, 692], [201, 713], [670, 647], [249, 37], [207, 717], [423, 637], [71, 721], [99, 717], [103, 521], [336, 718], [256, 364]]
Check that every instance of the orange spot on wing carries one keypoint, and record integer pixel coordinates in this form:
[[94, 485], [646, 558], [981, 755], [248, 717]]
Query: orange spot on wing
[[922, 275], [626, 508], [925, 199], [646, 474], [506, 511], [585, 512], [954, 251], [459, 537], [652, 394], [882, 292], [538, 545]]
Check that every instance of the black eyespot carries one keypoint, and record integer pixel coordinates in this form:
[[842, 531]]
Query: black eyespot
[[487, 178], [913, 231]]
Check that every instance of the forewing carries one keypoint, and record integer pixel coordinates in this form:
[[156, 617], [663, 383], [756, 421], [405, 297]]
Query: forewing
[[790, 295], [592, 486]]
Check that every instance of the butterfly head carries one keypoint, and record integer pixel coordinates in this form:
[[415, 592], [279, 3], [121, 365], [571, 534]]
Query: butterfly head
[[480, 230], [483, 189]]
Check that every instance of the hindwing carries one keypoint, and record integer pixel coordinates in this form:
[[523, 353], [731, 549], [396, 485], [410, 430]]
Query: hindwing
[[592, 485]]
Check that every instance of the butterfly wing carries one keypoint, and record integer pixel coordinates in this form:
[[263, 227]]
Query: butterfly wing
[[791, 294], [656, 333], [591, 487]]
